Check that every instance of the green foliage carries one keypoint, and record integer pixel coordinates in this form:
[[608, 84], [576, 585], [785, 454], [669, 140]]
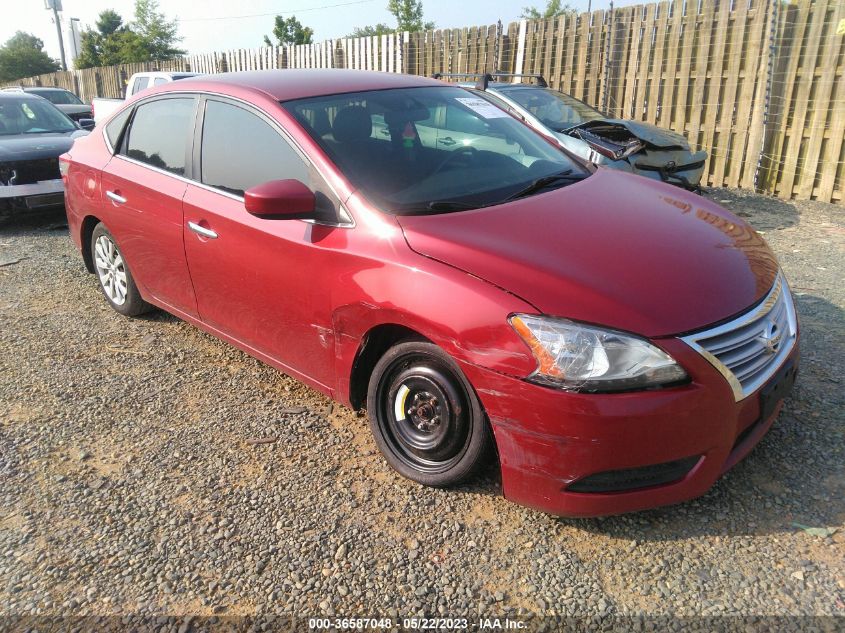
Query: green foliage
[[157, 35], [553, 9], [23, 56], [409, 17], [150, 37], [290, 31], [367, 31], [108, 22]]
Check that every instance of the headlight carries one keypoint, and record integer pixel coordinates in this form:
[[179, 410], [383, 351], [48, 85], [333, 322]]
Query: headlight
[[584, 358]]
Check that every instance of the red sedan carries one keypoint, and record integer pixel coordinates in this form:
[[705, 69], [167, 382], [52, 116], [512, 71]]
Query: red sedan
[[404, 245]]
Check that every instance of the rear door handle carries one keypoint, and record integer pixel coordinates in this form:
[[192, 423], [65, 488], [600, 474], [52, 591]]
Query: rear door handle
[[201, 230], [116, 197], [447, 140]]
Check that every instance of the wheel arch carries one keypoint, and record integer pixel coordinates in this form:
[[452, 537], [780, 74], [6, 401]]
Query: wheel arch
[[375, 342], [86, 230]]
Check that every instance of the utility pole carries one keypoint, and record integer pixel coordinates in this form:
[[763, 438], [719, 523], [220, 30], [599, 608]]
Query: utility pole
[[56, 6]]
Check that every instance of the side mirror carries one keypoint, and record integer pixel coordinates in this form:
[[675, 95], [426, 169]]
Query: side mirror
[[86, 124], [280, 199]]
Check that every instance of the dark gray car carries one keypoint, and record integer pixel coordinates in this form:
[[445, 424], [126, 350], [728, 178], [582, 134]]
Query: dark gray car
[[63, 99], [33, 134]]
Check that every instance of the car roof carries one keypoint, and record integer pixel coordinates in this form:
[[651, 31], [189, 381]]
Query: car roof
[[33, 88], [19, 96], [284, 85]]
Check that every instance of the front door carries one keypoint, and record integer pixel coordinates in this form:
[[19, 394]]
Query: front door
[[261, 281]]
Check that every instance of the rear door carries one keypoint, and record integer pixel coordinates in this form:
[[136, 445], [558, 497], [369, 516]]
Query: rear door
[[143, 186], [261, 281]]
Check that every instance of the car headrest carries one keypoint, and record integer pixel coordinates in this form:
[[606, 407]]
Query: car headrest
[[352, 125]]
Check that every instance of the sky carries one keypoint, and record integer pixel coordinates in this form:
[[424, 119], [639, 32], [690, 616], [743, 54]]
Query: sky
[[216, 25]]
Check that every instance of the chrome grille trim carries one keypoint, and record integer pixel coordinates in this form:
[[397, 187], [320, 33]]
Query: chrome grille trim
[[743, 350]]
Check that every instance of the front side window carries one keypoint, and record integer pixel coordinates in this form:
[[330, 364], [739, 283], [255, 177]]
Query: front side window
[[553, 109], [158, 134], [430, 149], [32, 116], [241, 150]]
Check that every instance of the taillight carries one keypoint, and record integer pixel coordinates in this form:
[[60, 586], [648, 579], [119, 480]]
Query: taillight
[[64, 165]]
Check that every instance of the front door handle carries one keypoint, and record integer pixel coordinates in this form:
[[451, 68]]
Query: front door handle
[[201, 230], [116, 197]]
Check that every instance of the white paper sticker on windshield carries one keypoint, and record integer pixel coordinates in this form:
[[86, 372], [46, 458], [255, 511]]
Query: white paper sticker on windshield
[[484, 108]]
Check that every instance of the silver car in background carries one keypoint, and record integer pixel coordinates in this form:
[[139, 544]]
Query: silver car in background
[[632, 146]]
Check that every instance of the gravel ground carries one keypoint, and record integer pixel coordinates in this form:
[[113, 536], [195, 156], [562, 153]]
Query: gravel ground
[[128, 484]]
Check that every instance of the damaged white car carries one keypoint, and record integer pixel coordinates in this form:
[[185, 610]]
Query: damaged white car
[[631, 146]]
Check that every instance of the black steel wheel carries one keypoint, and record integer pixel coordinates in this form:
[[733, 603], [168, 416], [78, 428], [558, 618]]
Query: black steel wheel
[[424, 415]]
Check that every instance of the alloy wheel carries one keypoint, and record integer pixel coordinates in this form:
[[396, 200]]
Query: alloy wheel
[[110, 269]]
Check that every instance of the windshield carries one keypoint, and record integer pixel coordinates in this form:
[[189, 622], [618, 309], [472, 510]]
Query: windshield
[[59, 97], [31, 116], [430, 149], [553, 109]]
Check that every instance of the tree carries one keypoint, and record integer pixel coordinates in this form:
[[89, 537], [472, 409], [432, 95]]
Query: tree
[[409, 17], [290, 31], [101, 47], [23, 56], [150, 37], [553, 9], [158, 36]]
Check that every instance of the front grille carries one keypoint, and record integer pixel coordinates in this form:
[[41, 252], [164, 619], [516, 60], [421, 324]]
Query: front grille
[[28, 172], [749, 350], [634, 478]]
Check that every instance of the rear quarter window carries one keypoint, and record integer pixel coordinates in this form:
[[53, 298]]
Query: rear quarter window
[[114, 128]]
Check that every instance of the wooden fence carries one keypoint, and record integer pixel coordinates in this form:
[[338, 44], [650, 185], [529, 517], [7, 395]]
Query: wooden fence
[[759, 84]]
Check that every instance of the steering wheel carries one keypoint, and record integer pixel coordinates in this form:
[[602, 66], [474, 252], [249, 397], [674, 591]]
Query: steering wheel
[[466, 150]]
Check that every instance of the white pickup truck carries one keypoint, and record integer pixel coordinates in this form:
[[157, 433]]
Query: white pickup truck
[[139, 81]]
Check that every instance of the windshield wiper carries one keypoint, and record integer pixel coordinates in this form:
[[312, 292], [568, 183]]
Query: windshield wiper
[[48, 131], [451, 205], [545, 181]]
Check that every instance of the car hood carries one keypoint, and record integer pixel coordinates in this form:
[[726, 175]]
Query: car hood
[[651, 134], [615, 249], [36, 146]]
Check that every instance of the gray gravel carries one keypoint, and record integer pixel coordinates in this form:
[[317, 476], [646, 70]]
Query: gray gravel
[[129, 483]]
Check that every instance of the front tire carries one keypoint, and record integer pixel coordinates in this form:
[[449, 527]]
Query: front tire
[[113, 275], [425, 417]]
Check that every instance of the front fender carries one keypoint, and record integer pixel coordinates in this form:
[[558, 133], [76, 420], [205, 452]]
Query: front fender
[[462, 314]]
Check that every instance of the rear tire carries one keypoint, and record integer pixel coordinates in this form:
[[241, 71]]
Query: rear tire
[[425, 416], [113, 275]]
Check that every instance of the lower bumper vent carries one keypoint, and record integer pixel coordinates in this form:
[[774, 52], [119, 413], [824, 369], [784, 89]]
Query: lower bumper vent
[[634, 478]]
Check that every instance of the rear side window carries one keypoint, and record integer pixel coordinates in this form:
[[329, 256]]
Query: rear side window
[[140, 84], [159, 81], [114, 128], [241, 150], [159, 132]]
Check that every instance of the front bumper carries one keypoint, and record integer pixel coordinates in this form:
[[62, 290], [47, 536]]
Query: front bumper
[[43, 194], [550, 439]]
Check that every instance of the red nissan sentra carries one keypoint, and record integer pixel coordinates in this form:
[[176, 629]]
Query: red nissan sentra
[[403, 245]]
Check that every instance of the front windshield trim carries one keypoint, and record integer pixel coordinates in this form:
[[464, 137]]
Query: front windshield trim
[[405, 149]]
